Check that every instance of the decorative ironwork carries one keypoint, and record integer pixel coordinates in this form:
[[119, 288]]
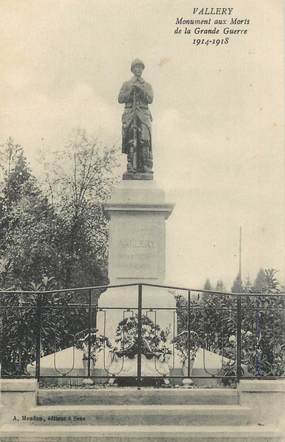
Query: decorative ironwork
[[241, 351]]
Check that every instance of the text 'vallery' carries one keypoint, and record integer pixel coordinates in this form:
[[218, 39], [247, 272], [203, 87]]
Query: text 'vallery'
[[213, 11]]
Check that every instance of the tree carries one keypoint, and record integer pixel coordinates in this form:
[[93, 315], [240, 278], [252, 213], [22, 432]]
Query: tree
[[247, 285], [237, 286], [214, 320], [78, 181], [263, 349], [207, 285], [60, 235], [260, 281], [19, 319], [9, 152], [220, 286], [266, 281], [26, 220]]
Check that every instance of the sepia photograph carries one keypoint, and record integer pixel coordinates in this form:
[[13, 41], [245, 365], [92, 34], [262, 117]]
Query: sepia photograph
[[142, 221]]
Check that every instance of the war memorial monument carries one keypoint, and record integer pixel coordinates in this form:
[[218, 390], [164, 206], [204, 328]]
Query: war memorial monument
[[134, 306], [137, 209], [138, 212]]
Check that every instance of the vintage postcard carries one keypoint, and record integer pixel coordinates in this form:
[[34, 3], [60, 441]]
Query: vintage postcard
[[142, 143]]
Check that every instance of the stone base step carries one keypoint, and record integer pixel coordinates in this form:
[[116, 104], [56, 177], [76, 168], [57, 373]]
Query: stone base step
[[137, 415], [87, 433], [133, 396]]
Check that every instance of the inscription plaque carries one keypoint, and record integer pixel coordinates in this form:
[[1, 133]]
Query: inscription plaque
[[137, 247]]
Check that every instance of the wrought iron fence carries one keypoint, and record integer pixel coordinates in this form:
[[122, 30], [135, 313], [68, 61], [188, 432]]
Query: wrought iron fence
[[160, 334]]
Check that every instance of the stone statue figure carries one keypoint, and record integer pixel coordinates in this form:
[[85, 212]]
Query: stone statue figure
[[137, 94]]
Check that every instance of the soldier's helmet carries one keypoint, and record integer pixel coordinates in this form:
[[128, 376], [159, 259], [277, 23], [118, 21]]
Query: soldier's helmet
[[135, 62]]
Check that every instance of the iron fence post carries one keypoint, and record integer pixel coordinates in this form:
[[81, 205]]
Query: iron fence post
[[38, 336], [189, 333], [139, 366], [89, 331], [1, 340], [239, 344], [95, 315], [257, 338]]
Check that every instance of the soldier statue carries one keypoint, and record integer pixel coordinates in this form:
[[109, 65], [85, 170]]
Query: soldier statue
[[137, 94]]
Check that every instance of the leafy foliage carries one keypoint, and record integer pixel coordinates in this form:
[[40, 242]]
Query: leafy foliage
[[153, 341], [55, 235], [185, 342], [213, 323], [54, 231], [25, 223], [78, 180], [92, 338], [24, 316], [263, 321]]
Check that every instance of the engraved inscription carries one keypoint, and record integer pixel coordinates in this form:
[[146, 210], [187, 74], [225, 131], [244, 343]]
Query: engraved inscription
[[137, 244], [137, 250]]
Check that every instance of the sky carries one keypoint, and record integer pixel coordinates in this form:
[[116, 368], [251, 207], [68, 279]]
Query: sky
[[218, 116]]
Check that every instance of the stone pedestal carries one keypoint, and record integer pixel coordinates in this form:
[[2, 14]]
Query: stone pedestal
[[137, 212]]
